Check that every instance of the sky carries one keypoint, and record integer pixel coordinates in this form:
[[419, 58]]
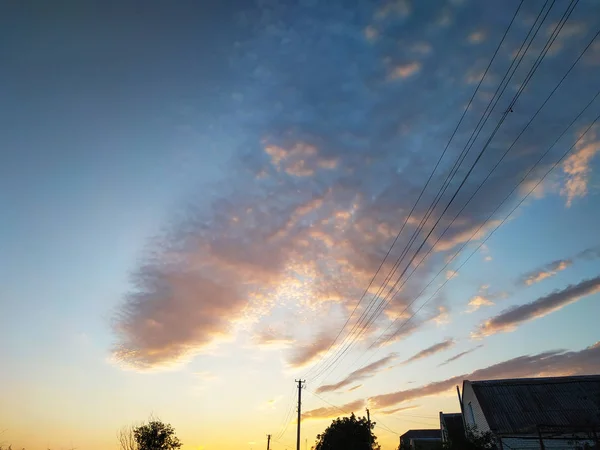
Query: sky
[[200, 199]]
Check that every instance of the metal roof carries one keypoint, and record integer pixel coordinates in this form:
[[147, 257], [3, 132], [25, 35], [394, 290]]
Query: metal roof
[[522, 405], [422, 434]]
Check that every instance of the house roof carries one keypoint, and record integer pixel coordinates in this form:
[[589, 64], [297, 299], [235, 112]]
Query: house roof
[[454, 425], [422, 434], [522, 405]]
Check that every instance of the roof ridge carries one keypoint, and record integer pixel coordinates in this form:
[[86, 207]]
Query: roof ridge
[[539, 380]]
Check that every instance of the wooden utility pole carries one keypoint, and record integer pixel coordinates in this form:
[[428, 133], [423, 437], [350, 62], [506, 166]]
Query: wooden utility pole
[[370, 435], [268, 441], [300, 384]]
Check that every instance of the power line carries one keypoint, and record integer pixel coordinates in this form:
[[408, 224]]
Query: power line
[[417, 201], [549, 42], [385, 302], [510, 213], [454, 170], [287, 418], [523, 179], [385, 427], [529, 76]]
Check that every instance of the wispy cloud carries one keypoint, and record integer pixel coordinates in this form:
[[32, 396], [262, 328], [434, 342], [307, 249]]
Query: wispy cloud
[[271, 339], [304, 355], [552, 268], [551, 363], [549, 270], [388, 412], [510, 319], [329, 412], [460, 355], [360, 374], [401, 8], [436, 348], [590, 253]]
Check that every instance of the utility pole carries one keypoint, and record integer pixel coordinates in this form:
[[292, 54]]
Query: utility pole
[[268, 441], [369, 421], [300, 384]]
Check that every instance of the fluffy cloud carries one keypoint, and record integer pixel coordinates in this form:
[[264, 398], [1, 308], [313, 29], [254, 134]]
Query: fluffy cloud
[[168, 324], [436, 348], [477, 302], [329, 412], [405, 70], [322, 145], [360, 374], [511, 318], [301, 160], [552, 363], [460, 355], [577, 168], [547, 271], [451, 274], [476, 37]]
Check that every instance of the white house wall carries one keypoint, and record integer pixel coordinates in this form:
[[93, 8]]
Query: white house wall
[[470, 402]]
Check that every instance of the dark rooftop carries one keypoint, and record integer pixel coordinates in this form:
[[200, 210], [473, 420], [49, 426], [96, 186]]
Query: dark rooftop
[[455, 426], [521, 405], [422, 434]]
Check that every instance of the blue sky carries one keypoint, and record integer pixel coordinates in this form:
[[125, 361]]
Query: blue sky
[[195, 192]]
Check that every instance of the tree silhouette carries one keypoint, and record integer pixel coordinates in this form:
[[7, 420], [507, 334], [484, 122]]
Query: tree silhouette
[[126, 438], [348, 433], [156, 435]]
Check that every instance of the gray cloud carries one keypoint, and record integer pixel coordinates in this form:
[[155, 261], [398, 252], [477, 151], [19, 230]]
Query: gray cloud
[[436, 348], [551, 363], [321, 149], [460, 355], [166, 335], [360, 374], [590, 253], [511, 318], [305, 354], [551, 269], [329, 412]]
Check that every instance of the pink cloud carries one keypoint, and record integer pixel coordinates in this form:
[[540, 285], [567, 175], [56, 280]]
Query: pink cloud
[[329, 412], [552, 363], [510, 319], [360, 374], [577, 168]]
